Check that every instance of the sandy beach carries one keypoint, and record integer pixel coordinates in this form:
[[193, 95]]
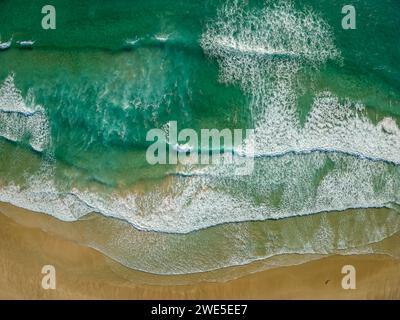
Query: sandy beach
[[84, 273]]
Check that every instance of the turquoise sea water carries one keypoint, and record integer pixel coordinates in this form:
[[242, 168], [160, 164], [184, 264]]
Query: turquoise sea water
[[324, 102]]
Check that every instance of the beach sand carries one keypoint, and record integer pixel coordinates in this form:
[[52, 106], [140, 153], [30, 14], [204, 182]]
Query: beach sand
[[84, 273]]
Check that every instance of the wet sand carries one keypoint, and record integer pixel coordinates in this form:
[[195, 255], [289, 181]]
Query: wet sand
[[84, 273]]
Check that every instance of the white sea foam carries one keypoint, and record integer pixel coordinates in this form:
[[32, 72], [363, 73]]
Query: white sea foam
[[20, 118], [26, 43], [240, 39], [162, 37], [132, 42], [42, 194], [6, 45], [280, 187], [331, 125], [11, 99]]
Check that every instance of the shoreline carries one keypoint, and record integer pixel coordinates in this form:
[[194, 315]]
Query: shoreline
[[85, 273]]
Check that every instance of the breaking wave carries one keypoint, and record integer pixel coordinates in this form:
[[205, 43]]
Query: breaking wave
[[21, 119]]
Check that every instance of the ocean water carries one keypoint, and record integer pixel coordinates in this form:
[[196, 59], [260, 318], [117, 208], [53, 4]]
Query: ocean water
[[324, 103]]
